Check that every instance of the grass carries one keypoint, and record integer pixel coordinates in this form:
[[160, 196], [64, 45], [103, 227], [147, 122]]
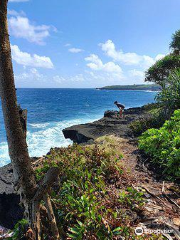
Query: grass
[[88, 199]]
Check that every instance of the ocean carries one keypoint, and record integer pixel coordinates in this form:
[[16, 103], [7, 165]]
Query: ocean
[[51, 110]]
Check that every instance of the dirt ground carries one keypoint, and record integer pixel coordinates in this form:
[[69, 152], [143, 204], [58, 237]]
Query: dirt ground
[[162, 207]]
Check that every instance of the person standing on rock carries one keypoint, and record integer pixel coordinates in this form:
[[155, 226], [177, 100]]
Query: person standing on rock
[[121, 108]]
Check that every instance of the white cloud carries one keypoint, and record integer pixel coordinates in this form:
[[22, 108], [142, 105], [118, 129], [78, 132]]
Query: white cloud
[[127, 58], [67, 45], [12, 12], [21, 27], [124, 68], [77, 78], [97, 64], [75, 50], [103, 73], [137, 73], [58, 79], [159, 56], [32, 77], [18, 0], [27, 59], [69, 79], [29, 76]]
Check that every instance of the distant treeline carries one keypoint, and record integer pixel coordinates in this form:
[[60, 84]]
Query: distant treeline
[[150, 87]]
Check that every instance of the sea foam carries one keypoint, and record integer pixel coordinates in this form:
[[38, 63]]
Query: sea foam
[[42, 137]]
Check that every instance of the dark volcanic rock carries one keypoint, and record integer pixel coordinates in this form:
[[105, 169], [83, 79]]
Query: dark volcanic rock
[[111, 114], [10, 211], [75, 135], [108, 125]]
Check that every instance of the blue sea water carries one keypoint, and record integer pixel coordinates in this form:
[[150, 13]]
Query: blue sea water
[[51, 110]]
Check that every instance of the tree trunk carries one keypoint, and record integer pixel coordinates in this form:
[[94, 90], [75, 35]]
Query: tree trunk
[[51, 217], [31, 195], [16, 140]]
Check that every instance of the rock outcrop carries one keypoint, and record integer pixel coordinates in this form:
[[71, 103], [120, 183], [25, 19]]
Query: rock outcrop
[[109, 124], [10, 211]]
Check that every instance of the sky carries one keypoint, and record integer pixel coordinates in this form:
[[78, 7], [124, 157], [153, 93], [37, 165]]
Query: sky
[[88, 43]]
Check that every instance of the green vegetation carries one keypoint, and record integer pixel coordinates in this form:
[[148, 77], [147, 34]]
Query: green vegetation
[[161, 70], [150, 121], [147, 87], [167, 101], [153, 118], [169, 98], [131, 197], [88, 200], [175, 43], [20, 228], [161, 142], [83, 203], [163, 146]]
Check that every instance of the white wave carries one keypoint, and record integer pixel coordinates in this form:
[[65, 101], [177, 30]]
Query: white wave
[[42, 137], [4, 156], [39, 125], [151, 91]]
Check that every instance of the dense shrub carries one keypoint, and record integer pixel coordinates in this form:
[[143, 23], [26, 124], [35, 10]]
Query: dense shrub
[[85, 207], [169, 98], [163, 146]]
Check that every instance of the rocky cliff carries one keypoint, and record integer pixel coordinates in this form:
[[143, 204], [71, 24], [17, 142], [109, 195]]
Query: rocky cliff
[[108, 125]]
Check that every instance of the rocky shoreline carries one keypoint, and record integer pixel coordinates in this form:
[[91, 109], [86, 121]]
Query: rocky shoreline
[[110, 124]]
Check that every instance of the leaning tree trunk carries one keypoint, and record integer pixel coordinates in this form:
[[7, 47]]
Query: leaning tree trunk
[[18, 152], [31, 194]]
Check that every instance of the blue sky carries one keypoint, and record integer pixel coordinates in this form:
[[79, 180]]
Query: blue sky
[[88, 43]]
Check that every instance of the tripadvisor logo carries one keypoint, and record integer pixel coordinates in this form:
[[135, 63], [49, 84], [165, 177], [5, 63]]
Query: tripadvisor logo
[[139, 231]]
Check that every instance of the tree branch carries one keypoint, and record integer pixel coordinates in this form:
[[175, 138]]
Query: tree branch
[[51, 217], [46, 183]]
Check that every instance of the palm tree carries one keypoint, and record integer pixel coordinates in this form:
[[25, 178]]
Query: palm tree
[[31, 194]]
